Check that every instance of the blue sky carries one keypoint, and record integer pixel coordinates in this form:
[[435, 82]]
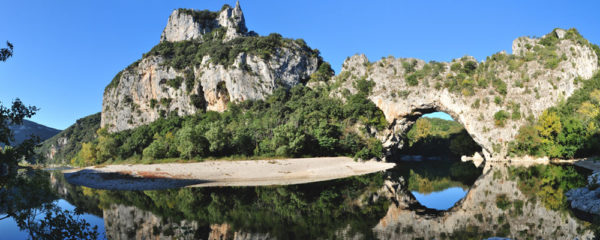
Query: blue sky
[[66, 52]]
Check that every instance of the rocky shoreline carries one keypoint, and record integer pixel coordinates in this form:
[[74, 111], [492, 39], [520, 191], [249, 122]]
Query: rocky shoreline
[[586, 199]]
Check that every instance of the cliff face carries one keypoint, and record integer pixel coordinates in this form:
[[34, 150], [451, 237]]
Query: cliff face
[[208, 59], [538, 74], [159, 84], [186, 24]]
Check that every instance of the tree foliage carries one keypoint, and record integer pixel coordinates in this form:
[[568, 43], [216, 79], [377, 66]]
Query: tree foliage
[[7, 52], [14, 115], [290, 123], [439, 137], [567, 130]]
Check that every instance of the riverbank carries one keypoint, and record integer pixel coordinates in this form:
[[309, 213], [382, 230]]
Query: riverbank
[[221, 173], [590, 163]]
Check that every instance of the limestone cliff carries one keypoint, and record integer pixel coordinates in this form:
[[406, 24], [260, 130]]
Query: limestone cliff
[[491, 99], [205, 60], [187, 24]]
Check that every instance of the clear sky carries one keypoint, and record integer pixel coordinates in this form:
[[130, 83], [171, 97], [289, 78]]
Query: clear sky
[[67, 51]]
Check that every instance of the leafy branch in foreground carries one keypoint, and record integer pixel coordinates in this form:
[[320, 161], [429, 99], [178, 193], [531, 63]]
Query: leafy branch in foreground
[[6, 53]]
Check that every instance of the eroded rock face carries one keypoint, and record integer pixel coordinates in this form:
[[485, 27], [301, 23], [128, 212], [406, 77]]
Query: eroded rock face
[[187, 24], [478, 212], [144, 92], [404, 89], [60, 143]]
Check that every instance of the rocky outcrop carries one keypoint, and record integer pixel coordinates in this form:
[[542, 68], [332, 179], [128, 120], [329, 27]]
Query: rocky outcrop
[[188, 24], [479, 214], [491, 99], [152, 88], [586, 199]]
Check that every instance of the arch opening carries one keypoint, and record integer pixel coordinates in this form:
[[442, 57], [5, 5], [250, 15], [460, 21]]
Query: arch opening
[[432, 159]]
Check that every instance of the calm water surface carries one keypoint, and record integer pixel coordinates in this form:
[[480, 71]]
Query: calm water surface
[[414, 200]]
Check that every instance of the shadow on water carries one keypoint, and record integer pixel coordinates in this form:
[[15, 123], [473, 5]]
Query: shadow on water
[[127, 180]]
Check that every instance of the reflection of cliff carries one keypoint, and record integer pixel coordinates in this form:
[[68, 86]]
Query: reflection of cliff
[[494, 206], [306, 211], [129, 222]]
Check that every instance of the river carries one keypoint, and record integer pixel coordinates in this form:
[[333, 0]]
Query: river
[[441, 199]]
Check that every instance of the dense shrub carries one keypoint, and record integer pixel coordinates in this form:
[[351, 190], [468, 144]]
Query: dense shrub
[[175, 82], [412, 80], [500, 118]]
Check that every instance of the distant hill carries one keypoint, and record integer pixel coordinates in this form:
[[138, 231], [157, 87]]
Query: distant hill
[[28, 128], [60, 148]]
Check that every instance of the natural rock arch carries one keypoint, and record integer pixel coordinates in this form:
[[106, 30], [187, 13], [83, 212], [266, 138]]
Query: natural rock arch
[[509, 87]]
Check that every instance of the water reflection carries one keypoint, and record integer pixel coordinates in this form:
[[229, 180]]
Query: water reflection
[[505, 201], [441, 200], [29, 210]]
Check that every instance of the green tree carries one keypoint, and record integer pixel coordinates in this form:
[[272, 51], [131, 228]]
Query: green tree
[[161, 147], [85, 156], [107, 147], [217, 137], [190, 142], [13, 115]]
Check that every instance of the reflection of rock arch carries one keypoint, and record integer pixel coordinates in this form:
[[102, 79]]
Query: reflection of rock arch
[[478, 212]]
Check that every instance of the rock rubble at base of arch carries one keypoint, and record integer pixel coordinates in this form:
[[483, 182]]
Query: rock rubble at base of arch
[[531, 84]]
